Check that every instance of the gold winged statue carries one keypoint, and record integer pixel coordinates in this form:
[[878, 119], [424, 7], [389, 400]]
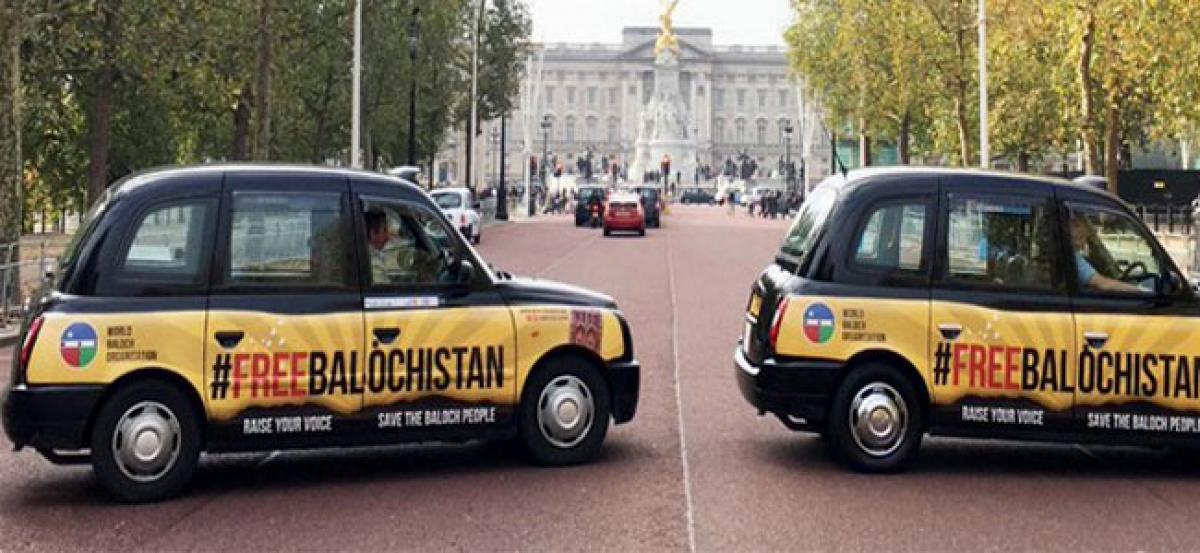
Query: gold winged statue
[[666, 37]]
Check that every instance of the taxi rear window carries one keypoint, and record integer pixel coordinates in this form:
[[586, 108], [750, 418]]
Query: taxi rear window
[[66, 263], [808, 224], [289, 239], [448, 201]]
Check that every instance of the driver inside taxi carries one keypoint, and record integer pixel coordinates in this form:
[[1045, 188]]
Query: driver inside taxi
[[383, 262], [1088, 276]]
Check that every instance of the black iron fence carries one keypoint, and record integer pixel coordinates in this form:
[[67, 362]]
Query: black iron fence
[[1166, 218]]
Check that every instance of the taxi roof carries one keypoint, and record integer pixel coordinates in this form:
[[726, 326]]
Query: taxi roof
[[159, 179], [867, 176]]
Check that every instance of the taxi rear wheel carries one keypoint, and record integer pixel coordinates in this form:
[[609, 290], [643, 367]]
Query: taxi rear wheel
[[875, 420], [145, 442], [565, 411]]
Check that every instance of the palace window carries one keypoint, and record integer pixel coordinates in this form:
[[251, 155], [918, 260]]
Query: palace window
[[761, 130], [741, 98], [591, 96], [549, 96], [783, 98], [590, 129], [570, 95], [762, 99], [569, 130], [614, 130], [741, 131], [719, 130]]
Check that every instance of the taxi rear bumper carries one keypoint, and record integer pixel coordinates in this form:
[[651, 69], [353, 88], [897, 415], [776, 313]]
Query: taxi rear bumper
[[49, 417], [624, 381], [796, 391]]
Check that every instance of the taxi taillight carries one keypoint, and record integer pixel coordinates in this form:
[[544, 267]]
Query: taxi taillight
[[31, 337], [777, 320]]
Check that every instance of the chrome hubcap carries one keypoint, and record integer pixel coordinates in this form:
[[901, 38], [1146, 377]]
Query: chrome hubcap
[[565, 411], [878, 419], [146, 441]]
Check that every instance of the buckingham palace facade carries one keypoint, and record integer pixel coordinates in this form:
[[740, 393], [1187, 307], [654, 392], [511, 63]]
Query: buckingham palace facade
[[739, 99]]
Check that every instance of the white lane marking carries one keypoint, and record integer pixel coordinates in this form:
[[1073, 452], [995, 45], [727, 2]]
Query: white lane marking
[[687, 479]]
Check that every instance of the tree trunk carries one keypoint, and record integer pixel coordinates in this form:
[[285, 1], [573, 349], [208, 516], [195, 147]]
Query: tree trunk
[[964, 128], [241, 125], [322, 118], [864, 150], [262, 119], [1112, 146], [905, 139], [11, 28], [101, 119], [1087, 108], [1022, 162]]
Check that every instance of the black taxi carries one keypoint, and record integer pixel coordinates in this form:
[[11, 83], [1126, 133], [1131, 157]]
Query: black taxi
[[970, 303], [254, 307]]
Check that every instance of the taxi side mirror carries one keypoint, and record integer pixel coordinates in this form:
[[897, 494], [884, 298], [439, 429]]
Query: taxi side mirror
[[1167, 284], [466, 271]]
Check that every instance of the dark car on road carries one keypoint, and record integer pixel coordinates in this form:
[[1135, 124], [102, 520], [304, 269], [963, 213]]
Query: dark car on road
[[589, 205], [696, 196], [651, 199], [967, 303]]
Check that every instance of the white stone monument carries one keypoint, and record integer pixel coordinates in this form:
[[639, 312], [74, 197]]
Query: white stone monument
[[664, 131]]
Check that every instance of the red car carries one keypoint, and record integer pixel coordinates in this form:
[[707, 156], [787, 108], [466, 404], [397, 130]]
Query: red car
[[624, 213]]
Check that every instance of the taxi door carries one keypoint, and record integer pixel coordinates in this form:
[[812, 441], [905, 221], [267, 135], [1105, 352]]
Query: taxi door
[[285, 326], [439, 343], [1001, 332], [1138, 375]]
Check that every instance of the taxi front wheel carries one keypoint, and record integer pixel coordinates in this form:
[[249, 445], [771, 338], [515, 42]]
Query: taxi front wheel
[[875, 420], [564, 413], [145, 442]]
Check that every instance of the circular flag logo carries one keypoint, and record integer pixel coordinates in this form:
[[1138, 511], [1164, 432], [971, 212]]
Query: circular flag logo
[[818, 323], [78, 345]]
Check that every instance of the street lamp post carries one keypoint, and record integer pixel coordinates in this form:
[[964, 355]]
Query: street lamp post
[[501, 189], [787, 153], [545, 159], [494, 140], [414, 39]]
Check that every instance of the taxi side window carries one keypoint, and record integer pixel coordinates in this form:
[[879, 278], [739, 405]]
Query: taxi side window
[[893, 238], [1001, 243], [1111, 253], [406, 245], [166, 254], [287, 240]]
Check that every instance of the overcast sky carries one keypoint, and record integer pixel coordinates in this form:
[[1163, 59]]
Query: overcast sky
[[753, 22]]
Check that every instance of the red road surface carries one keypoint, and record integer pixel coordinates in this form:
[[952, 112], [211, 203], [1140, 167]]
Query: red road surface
[[695, 469]]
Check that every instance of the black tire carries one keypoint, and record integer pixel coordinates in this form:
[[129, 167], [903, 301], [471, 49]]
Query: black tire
[[875, 381], [607, 232], [538, 447], [641, 232], [177, 474]]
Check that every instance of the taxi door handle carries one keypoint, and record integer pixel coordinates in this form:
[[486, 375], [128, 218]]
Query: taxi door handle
[[229, 338], [950, 331], [386, 335], [1095, 340]]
